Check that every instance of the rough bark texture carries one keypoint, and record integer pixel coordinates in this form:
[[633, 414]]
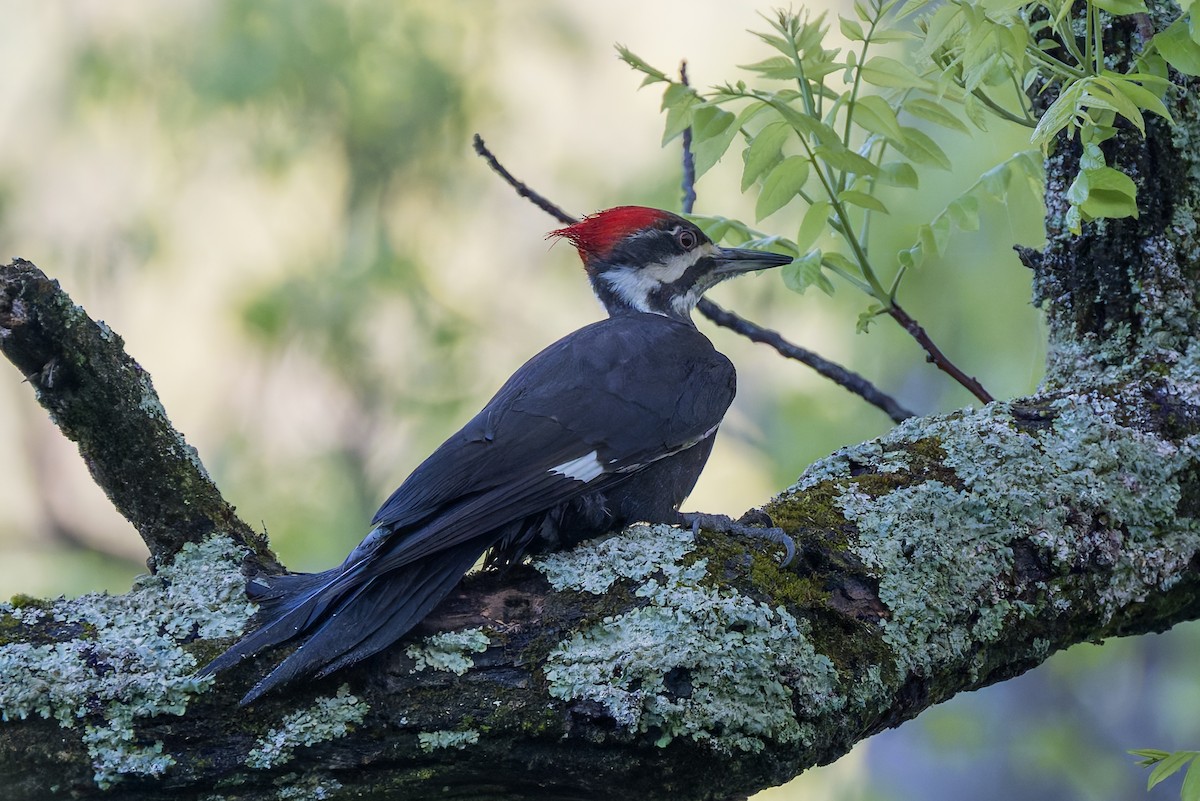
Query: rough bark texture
[[105, 402], [954, 552]]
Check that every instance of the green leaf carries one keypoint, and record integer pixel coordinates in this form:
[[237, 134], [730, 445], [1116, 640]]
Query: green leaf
[[1115, 100], [1092, 157], [805, 272], [1110, 193], [1168, 767], [839, 262], [1122, 7], [1149, 755], [892, 74], [815, 221], [867, 317], [936, 113], [964, 212], [652, 75], [1062, 112], [764, 152], [680, 103], [1178, 48], [776, 68], [918, 147], [842, 158], [851, 29], [802, 123], [782, 184], [898, 173], [935, 236], [874, 113], [713, 130], [862, 200], [1191, 783]]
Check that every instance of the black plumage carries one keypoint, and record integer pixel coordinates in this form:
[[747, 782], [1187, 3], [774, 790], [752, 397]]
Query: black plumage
[[610, 425]]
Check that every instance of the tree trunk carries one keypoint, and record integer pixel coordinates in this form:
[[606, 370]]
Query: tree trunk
[[956, 551]]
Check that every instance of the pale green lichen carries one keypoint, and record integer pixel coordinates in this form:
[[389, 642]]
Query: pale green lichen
[[126, 663], [837, 464], [449, 651], [711, 665], [942, 553], [430, 741], [328, 718], [597, 565], [294, 787]]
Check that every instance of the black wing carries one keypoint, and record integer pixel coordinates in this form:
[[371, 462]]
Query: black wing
[[586, 413]]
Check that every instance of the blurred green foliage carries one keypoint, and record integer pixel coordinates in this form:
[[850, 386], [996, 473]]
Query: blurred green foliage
[[388, 94]]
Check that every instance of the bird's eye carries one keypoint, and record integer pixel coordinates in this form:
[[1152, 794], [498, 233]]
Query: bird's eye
[[686, 239]]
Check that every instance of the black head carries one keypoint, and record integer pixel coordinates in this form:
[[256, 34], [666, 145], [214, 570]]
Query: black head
[[647, 260]]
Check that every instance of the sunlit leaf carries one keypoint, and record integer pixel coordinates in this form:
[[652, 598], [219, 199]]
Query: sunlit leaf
[[815, 221], [1110, 193], [842, 158], [851, 29], [862, 200], [898, 173], [782, 183], [764, 152], [876, 115], [892, 74], [805, 272], [934, 112], [1122, 7], [1178, 48], [1168, 767], [918, 147], [1191, 783], [964, 212], [713, 130]]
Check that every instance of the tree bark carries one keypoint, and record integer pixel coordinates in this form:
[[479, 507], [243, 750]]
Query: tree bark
[[956, 551]]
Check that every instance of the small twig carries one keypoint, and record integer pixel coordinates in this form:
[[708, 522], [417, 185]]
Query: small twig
[[522, 190], [834, 372], [936, 356], [689, 161], [756, 333], [839, 375]]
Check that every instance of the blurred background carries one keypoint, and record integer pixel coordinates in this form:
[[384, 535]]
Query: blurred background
[[277, 206]]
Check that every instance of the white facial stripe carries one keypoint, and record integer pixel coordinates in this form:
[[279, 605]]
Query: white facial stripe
[[634, 286], [672, 269], [584, 469]]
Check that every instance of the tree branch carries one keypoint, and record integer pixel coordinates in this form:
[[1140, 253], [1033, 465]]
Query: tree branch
[[847, 379], [105, 402]]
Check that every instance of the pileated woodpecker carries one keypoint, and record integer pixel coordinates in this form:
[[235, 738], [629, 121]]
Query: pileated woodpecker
[[610, 425]]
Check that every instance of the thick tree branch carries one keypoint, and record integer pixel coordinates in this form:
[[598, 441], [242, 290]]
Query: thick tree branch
[[847, 379], [105, 402], [954, 552]]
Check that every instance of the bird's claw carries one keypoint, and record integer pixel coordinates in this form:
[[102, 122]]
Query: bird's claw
[[727, 525]]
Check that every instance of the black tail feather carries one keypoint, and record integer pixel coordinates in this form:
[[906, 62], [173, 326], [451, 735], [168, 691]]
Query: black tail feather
[[348, 613]]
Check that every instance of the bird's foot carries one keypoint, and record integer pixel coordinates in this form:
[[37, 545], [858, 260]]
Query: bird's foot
[[727, 525]]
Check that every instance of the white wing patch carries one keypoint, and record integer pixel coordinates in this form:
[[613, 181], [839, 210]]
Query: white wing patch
[[585, 468]]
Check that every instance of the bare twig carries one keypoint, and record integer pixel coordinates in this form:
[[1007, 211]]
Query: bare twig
[[727, 319], [834, 372], [689, 161], [936, 356], [522, 190], [755, 333]]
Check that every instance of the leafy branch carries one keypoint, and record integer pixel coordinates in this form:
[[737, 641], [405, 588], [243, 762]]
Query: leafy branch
[[847, 131], [829, 146]]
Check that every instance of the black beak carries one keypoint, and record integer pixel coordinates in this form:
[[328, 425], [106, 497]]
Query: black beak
[[735, 261]]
